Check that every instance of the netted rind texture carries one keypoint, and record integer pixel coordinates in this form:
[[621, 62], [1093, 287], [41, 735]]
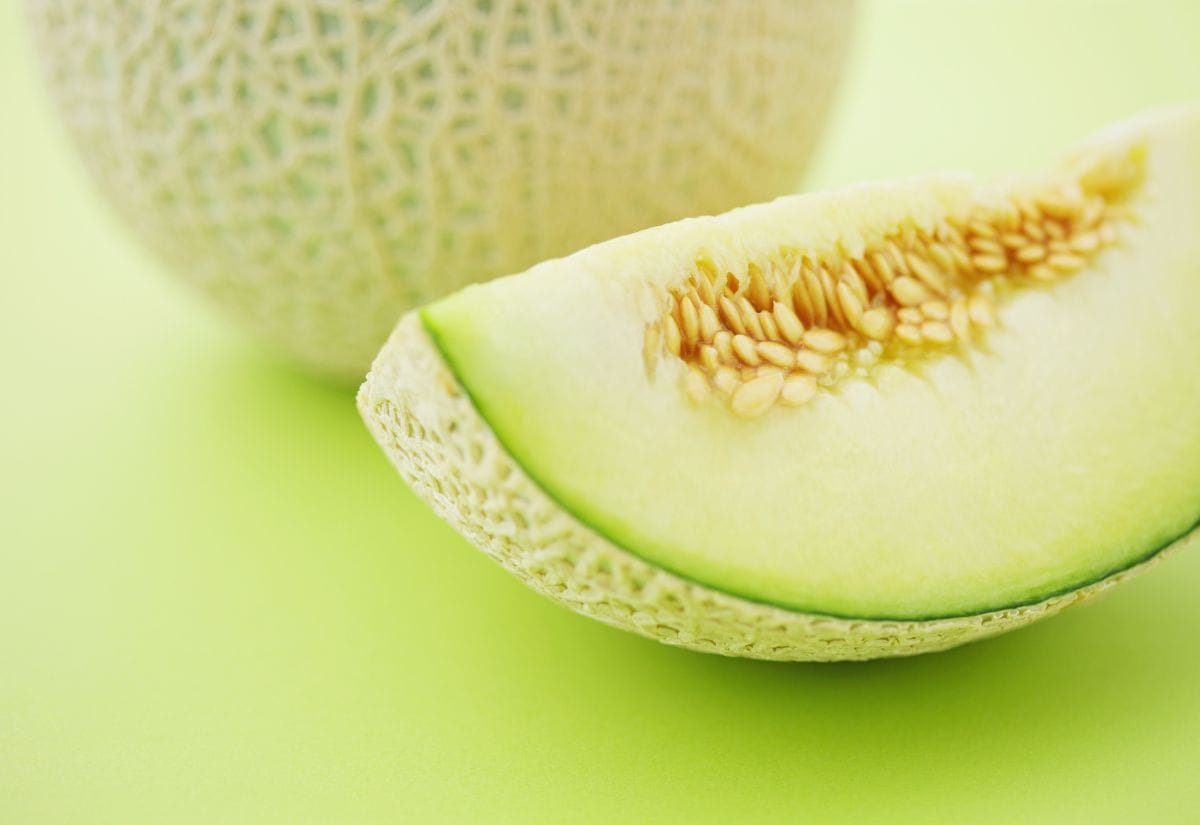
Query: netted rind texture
[[317, 167], [427, 425]]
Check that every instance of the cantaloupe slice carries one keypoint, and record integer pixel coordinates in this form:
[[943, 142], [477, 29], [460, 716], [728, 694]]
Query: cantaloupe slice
[[870, 422]]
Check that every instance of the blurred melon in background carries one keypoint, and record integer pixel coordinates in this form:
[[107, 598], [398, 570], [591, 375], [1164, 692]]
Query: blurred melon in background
[[319, 167]]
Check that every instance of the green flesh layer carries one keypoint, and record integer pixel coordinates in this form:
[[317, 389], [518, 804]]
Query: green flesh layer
[[1064, 447]]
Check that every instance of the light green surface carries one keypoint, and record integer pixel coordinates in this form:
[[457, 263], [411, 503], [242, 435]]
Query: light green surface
[[218, 603]]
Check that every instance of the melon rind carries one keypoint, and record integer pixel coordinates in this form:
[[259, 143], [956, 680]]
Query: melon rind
[[429, 428], [316, 169]]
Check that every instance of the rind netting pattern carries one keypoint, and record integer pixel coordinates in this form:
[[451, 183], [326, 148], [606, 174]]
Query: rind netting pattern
[[319, 166], [432, 433]]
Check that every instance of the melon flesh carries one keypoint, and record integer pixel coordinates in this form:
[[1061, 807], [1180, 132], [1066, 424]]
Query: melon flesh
[[1001, 480]]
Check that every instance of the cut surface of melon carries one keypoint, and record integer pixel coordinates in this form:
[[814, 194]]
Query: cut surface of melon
[[1050, 441]]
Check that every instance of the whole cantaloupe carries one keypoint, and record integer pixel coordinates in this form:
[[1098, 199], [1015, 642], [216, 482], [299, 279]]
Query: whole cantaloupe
[[318, 167]]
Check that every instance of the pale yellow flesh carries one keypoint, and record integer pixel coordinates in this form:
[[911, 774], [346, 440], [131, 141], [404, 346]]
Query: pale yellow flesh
[[433, 434], [1065, 448]]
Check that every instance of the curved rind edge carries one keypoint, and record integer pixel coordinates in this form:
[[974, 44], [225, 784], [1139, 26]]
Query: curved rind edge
[[418, 412]]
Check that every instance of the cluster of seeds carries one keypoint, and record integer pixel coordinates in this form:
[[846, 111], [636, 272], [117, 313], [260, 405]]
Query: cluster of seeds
[[782, 332]]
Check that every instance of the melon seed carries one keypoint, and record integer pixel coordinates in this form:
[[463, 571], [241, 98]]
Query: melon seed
[[787, 327]]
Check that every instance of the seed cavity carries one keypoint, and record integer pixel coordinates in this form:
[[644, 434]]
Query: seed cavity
[[784, 332]]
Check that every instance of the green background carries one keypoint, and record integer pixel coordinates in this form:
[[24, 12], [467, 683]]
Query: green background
[[219, 603]]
